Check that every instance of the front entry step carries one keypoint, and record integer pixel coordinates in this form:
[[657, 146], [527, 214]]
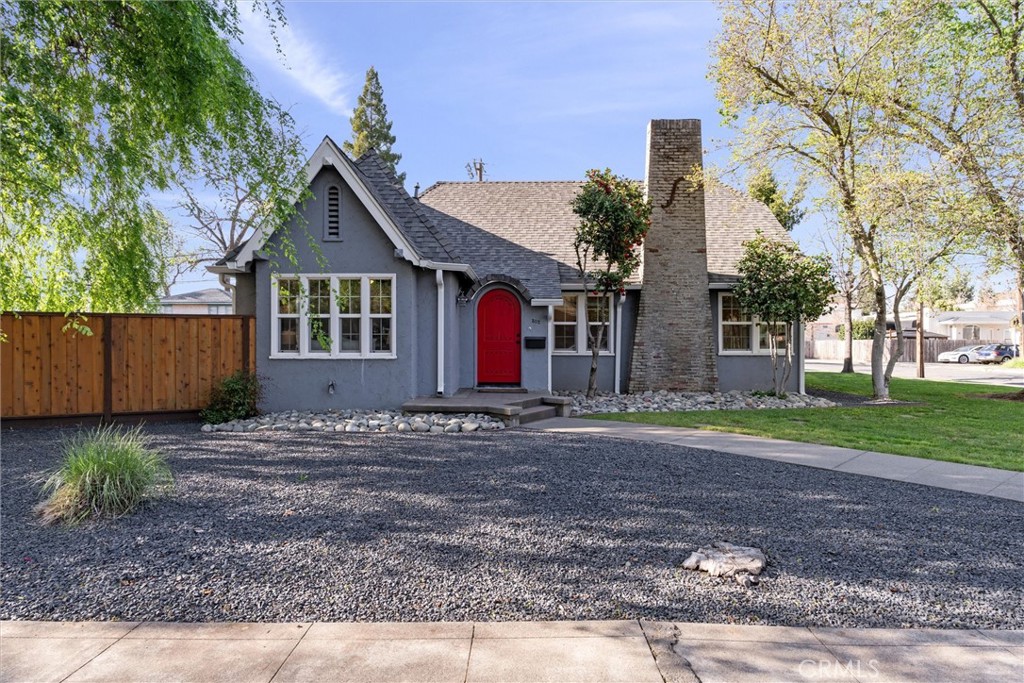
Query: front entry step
[[534, 413], [508, 407]]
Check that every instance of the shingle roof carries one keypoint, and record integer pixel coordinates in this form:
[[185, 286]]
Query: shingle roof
[[732, 218], [406, 212], [527, 228], [974, 317], [493, 257], [520, 229], [201, 296]]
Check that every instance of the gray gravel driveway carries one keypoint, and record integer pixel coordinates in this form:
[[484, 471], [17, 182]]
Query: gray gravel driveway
[[503, 526]]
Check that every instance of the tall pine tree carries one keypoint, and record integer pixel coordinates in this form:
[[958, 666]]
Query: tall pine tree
[[371, 128], [765, 188]]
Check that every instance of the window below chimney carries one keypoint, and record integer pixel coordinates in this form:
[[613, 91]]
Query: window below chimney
[[740, 333]]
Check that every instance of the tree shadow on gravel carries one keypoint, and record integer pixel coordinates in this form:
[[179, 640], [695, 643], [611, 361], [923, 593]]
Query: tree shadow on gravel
[[518, 525]]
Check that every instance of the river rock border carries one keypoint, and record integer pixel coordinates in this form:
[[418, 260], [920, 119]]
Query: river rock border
[[671, 401], [441, 423], [361, 421]]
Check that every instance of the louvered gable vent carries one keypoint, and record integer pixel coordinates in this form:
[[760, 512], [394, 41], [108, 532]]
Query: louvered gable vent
[[333, 212]]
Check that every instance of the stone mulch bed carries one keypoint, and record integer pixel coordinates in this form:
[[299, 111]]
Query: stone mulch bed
[[518, 525], [361, 421], [672, 401]]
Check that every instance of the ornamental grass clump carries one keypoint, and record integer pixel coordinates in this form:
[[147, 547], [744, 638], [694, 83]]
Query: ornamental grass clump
[[107, 472]]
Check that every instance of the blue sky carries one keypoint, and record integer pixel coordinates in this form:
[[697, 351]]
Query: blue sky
[[539, 91]]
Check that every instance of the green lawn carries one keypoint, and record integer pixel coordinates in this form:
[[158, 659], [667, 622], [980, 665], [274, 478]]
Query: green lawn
[[955, 422]]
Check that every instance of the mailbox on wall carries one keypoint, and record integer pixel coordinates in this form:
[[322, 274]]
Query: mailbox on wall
[[535, 342]]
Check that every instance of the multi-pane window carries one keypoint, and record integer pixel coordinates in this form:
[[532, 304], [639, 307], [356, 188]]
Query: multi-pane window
[[349, 317], [741, 332], [736, 325], [287, 315], [763, 332], [319, 315], [340, 316], [380, 314], [571, 328], [598, 310], [565, 324]]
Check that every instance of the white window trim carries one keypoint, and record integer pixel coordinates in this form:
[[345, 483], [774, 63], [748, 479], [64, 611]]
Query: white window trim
[[365, 318], [581, 328], [755, 336]]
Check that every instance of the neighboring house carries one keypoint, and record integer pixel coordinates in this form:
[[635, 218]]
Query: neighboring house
[[202, 302], [980, 326], [474, 285]]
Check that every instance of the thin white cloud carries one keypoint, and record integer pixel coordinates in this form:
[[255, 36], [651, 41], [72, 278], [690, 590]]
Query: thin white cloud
[[309, 68]]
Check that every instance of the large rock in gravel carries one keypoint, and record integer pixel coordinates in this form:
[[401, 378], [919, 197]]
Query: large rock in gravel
[[728, 561]]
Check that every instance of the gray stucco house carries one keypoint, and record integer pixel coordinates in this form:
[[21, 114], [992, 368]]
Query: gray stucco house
[[472, 284]]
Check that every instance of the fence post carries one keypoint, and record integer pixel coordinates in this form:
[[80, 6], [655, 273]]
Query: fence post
[[108, 366], [245, 343]]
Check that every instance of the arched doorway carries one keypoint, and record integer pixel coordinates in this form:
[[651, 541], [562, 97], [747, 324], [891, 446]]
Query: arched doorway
[[498, 337]]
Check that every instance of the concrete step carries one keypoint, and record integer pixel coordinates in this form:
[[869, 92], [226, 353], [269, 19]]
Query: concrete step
[[530, 402], [535, 413]]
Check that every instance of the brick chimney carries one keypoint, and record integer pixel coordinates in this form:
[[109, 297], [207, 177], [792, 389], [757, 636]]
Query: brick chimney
[[673, 345]]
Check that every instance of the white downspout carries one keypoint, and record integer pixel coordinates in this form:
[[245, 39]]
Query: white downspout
[[617, 358], [551, 340], [223, 279], [439, 278]]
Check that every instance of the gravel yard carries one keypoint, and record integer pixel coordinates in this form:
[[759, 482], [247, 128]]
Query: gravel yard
[[521, 525]]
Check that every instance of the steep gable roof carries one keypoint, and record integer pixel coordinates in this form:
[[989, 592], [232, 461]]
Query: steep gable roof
[[406, 212], [386, 200]]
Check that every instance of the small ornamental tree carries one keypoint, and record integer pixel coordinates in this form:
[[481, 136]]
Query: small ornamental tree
[[782, 287], [614, 218]]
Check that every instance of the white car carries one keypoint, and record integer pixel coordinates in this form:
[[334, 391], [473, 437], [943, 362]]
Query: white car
[[965, 354]]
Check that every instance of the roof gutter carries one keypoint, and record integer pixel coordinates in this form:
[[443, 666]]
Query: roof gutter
[[453, 267]]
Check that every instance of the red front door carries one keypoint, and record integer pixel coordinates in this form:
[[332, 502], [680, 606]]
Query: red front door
[[497, 338]]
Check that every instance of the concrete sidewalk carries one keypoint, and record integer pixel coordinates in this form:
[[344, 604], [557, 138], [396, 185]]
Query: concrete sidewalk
[[947, 475], [632, 651]]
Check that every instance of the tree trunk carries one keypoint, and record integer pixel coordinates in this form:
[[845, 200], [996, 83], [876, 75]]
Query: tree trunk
[[595, 354], [848, 321], [773, 353], [919, 339], [891, 365], [879, 382], [1020, 304], [790, 337]]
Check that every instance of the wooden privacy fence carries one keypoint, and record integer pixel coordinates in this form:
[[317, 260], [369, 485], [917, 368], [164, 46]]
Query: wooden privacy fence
[[132, 365], [832, 349]]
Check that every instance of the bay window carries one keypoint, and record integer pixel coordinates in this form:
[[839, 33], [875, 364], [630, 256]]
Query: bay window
[[333, 316]]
